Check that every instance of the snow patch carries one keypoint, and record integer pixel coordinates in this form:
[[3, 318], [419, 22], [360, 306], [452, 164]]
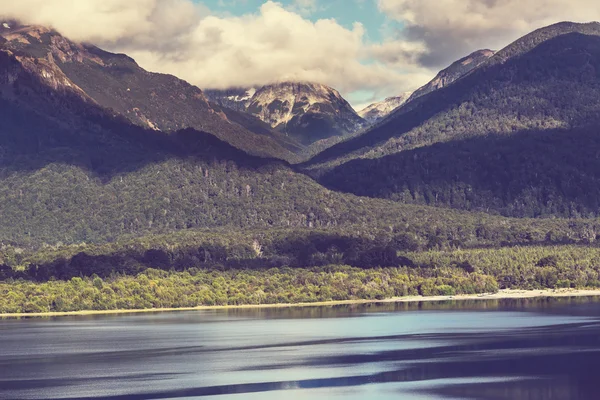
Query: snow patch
[[7, 26], [247, 96]]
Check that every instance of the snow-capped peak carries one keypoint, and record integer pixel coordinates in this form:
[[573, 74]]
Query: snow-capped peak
[[293, 98], [307, 111]]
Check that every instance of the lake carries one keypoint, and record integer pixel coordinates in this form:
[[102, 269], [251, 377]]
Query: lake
[[508, 349]]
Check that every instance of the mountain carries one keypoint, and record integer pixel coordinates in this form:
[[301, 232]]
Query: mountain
[[73, 170], [454, 72], [305, 111], [517, 135], [378, 111], [150, 100]]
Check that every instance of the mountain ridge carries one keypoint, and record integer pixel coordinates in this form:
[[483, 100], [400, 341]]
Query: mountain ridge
[[551, 83]]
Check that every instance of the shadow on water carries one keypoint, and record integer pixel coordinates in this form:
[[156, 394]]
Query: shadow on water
[[552, 363]]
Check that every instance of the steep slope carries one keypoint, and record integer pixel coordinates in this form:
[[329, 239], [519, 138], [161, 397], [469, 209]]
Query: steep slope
[[151, 100], [305, 111], [454, 72], [479, 143], [378, 111]]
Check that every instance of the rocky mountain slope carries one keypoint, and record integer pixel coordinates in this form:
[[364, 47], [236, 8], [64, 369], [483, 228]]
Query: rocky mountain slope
[[378, 111], [307, 112], [454, 72], [150, 100], [516, 135]]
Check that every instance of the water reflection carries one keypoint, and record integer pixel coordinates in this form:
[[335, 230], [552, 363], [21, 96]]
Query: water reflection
[[509, 349]]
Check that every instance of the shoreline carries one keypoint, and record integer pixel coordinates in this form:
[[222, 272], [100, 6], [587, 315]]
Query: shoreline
[[505, 294]]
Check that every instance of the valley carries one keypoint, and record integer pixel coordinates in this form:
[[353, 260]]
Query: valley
[[137, 189]]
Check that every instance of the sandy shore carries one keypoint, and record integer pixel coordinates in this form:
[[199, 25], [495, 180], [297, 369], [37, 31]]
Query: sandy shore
[[502, 294]]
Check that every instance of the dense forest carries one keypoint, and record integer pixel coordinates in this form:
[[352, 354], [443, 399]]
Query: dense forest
[[529, 174], [436, 272]]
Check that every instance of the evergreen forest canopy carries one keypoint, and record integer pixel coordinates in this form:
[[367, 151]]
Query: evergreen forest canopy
[[115, 198]]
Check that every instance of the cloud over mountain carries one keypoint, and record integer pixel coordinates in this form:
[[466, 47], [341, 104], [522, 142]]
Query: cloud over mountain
[[450, 28], [283, 42], [184, 39]]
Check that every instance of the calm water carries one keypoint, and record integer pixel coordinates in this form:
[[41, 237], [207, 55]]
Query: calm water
[[481, 350]]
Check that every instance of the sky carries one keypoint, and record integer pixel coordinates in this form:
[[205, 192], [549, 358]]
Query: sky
[[367, 49]]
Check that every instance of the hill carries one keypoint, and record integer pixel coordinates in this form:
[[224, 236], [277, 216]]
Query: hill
[[376, 112], [514, 136]]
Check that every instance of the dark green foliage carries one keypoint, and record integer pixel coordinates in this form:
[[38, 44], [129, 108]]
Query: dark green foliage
[[357, 245], [549, 261], [529, 174], [531, 267], [160, 289]]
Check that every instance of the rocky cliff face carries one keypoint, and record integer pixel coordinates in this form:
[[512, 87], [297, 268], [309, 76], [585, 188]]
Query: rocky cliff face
[[306, 111], [234, 99]]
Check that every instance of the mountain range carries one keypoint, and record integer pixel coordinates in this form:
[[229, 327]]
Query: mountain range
[[115, 82], [378, 111], [94, 148], [88, 154]]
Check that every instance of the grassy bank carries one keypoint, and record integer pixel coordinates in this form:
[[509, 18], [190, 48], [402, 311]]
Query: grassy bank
[[500, 295], [196, 287]]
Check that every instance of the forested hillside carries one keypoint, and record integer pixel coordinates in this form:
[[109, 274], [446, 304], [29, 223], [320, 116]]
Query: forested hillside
[[517, 136]]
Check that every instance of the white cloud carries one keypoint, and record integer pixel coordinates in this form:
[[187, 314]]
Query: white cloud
[[278, 43], [274, 44], [450, 28]]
